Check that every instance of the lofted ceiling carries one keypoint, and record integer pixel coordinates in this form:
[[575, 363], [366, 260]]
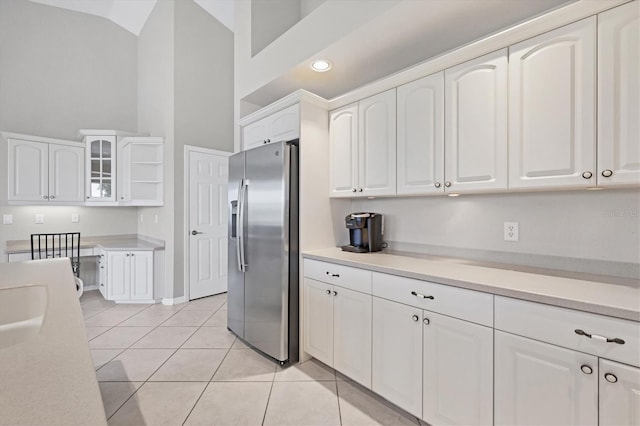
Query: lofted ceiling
[[133, 14]]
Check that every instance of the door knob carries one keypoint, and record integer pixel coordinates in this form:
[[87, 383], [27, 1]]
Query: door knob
[[194, 232]]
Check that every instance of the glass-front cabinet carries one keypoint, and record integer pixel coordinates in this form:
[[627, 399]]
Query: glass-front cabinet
[[101, 177]]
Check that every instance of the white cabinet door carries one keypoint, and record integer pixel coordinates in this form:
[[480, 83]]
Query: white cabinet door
[[619, 394], [420, 166], [318, 320], [28, 171], [541, 384], [101, 168], [619, 96], [284, 125], [352, 334], [66, 173], [141, 275], [397, 354], [254, 134], [118, 275], [377, 144], [458, 371], [343, 135], [476, 124], [552, 108]]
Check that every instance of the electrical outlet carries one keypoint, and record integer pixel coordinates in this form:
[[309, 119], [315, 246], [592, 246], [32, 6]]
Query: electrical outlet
[[511, 231], [39, 218], [7, 219], [75, 218]]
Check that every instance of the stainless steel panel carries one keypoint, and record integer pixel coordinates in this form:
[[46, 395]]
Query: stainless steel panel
[[236, 291], [267, 260]]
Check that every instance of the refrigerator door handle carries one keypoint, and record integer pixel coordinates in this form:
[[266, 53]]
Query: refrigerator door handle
[[242, 265]]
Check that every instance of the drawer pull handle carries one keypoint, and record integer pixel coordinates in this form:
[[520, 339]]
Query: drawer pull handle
[[333, 275], [421, 296], [597, 337]]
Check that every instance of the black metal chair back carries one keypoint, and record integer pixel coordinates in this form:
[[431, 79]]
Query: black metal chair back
[[66, 244]]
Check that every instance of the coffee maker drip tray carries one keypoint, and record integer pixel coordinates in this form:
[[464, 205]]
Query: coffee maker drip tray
[[355, 249]]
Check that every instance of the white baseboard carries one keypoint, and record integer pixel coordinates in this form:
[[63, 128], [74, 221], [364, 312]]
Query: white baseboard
[[175, 301]]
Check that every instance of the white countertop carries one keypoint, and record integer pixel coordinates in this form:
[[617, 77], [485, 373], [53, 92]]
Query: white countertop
[[107, 242], [618, 298], [50, 378]]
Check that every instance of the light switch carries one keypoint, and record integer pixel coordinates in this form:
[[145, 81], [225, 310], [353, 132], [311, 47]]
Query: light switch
[[75, 218], [39, 218], [7, 219]]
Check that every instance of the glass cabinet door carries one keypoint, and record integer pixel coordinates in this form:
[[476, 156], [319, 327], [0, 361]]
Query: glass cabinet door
[[101, 173]]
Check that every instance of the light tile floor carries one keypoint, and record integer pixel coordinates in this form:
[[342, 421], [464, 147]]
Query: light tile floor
[[179, 365]]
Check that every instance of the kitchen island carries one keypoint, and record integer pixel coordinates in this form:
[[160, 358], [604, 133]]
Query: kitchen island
[[47, 376]]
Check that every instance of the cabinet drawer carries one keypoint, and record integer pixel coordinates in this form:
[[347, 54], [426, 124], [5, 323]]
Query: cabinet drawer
[[460, 303], [343, 276], [557, 325]]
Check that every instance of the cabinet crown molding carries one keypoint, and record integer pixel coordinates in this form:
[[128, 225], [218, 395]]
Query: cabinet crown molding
[[300, 95]]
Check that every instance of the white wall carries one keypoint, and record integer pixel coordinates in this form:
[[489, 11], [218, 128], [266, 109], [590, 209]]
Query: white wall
[[596, 225], [61, 71], [271, 19]]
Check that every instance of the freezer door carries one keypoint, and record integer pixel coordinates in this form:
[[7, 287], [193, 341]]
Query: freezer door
[[267, 249], [235, 292]]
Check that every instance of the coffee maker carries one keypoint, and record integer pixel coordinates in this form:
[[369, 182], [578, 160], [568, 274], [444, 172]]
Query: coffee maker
[[365, 232]]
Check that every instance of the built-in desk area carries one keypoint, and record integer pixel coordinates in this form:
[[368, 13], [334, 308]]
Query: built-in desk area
[[125, 268]]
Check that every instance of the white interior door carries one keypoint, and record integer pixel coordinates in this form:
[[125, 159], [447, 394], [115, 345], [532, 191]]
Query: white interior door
[[208, 179]]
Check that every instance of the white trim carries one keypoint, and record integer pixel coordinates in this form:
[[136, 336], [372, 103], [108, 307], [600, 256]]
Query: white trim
[[188, 149], [174, 301], [98, 132], [534, 27], [298, 96], [33, 138]]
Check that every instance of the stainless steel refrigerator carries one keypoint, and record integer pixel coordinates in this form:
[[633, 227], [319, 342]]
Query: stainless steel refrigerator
[[263, 249]]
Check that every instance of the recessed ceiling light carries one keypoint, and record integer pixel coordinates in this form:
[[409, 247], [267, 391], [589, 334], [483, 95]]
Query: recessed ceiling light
[[321, 65]]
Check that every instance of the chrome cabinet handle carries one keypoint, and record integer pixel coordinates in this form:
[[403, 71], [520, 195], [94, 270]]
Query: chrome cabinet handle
[[611, 378], [194, 232], [52, 197], [437, 184], [328, 291], [133, 254], [353, 190], [46, 197], [333, 275], [587, 175], [415, 318], [335, 293], [360, 190], [586, 369], [426, 321], [598, 337], [447, 184], [607, 173], [421, 296], [128, 254]]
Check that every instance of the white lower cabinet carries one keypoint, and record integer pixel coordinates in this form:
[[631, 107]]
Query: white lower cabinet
[[541, 384], [337, 328], [397, 354], [619, 397], [457, 371], [129, 276]]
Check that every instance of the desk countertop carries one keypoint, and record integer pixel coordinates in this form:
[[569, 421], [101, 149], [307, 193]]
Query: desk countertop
[[49, 379], [617, 297], [107, 242]]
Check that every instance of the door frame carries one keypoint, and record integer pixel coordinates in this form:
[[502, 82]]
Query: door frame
[[188, 149]]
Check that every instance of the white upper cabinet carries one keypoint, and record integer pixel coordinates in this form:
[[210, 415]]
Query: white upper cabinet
[[476, 125], [66, 173], [101, 168], [552, 108], [283, 125], [363, 147], [377, 144], [41, 171], [343, 145], [619, 96], [420, 132], [140, 171]]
